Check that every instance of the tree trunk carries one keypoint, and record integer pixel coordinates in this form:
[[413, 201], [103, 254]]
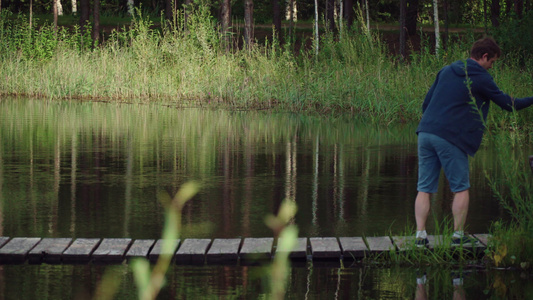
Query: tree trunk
[[130, 7], [330, 9], [171, 7], [31, 14], [276, 11], [186, 10], [411, 16], [403, 29], [367, 16], [96, 22], [436, 21], [74, 6], [495, 13], [84, 14], [54, 9], [518, 7], [508, 6], [341, 14], [485, 16], [348, 12], [249, 23], [446, 25], [316, 27], [225, 13], [291, 18]]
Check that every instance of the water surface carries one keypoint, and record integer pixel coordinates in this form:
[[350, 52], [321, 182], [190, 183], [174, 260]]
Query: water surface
[[85, 169], [70, 169]]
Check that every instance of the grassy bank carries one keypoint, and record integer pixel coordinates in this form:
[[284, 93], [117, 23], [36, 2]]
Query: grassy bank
[[354, 74]]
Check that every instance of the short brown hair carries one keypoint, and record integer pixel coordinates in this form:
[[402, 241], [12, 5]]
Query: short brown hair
[[485, 45]]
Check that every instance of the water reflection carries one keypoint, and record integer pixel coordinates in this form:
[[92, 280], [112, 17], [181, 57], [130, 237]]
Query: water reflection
[[71, 169], [245, 282]]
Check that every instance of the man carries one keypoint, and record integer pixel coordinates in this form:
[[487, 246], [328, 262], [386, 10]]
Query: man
[[454, 112]]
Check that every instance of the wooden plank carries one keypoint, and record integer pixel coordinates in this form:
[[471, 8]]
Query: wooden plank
[[353, 247], [224, 251], [3, 240], [49, 250], [300, 250], [325, 248], [438, 241], [379, 244], [140, 248], [256, 249], [80, 250], [404, 243], [111, 250], [17, 249], [483, 238], [192, 251], [157, 250]]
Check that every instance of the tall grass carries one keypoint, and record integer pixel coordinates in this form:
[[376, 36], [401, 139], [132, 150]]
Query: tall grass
[[354, 73], [512, 242]]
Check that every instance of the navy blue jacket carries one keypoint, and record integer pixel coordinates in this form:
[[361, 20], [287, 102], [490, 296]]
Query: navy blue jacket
[[449, 111]]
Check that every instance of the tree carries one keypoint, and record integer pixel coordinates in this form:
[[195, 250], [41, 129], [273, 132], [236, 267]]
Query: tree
[[330, 11], [348, 12], [170, 9], [316, 27], [130, 7], [276, 18], [225, 15], [54, 9], [84, 14], [74, 6], [519, 7], [248, 22], [96, 22], [291, 17], [495, 13], [436, 21], [411, 16], [403, 29]]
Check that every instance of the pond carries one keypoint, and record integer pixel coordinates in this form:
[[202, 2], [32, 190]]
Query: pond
[[90, 169]]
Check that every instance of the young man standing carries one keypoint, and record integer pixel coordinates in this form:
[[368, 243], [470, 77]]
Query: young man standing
[[454, 112]]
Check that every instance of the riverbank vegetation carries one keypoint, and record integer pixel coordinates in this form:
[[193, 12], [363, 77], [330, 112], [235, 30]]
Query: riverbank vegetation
[[353, 72]]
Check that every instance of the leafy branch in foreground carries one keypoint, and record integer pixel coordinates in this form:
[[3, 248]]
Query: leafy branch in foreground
[[149, 283], [288, 235]]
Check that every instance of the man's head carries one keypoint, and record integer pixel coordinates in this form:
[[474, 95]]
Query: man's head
[[485, 51]]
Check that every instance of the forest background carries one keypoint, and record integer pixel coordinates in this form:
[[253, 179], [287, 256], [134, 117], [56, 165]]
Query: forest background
[[375, 59]]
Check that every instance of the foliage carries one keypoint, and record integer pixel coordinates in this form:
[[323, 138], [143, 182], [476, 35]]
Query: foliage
[[510, 35], [149, 282], [288, 235], [511, 242], [187, 60], [510, 246]]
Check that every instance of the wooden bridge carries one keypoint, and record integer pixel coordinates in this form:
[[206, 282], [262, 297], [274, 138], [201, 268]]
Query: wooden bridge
[[35, 250]]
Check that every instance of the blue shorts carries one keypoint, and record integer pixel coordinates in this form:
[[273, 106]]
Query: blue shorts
[[435, 153]]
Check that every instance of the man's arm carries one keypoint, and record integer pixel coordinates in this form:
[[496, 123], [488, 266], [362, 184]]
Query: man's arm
[[492, 92]]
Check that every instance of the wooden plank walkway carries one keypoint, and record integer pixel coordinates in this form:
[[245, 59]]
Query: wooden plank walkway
[[206, 251]]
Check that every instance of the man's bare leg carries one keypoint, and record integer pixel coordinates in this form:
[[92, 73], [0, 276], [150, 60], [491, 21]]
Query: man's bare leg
[[422, 205], [460, 210]]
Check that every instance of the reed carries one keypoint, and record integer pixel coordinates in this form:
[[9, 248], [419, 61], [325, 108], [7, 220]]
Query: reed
[[513, 186], [353, 74]]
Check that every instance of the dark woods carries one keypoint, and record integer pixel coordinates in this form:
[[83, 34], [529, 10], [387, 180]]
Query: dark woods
[[409, 14]]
